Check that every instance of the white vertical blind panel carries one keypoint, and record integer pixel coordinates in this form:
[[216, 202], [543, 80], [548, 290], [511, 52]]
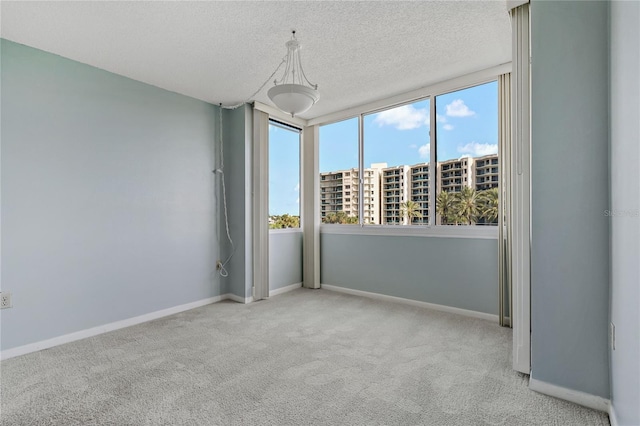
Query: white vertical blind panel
[[504, 220], [260, 205], [521, 191]]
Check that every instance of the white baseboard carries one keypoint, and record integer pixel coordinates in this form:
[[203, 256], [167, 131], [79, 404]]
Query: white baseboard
[[90, 332], [284, 289], [239, 299], [578, 397], [378, 296], [613, 419]]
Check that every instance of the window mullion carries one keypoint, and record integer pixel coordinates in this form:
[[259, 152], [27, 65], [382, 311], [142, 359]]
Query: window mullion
[[433, 161], [361, 170]]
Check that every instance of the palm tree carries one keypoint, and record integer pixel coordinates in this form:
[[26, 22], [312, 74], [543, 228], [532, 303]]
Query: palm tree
[[488, 205], [284, 221], [351, 220], [410, 209], [331, 217], [340, 217], [466, 207], [445, 206], [289, 221]]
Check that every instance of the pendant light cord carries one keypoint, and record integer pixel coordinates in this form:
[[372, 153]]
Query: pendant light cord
[[284, 60], [222, 266]]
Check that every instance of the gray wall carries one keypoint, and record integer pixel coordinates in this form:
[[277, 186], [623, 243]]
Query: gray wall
[[285, 259], [625, 203], [237, 169], [570, 187], [457, 272], [108, 208]]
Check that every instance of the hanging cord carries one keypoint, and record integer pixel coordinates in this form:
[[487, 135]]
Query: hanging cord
[[284, 59], [222, 266]]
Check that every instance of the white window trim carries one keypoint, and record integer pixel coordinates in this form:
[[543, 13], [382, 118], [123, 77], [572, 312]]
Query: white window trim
[[291, 127], [278, 115], [441, 231], [286, 231], [452, 85]]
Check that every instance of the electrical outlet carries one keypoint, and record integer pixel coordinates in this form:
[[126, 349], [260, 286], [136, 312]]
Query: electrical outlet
[[613, 336], [218, 265], [5, 300]]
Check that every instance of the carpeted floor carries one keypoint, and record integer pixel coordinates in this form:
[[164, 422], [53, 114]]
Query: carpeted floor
[[308, 357]]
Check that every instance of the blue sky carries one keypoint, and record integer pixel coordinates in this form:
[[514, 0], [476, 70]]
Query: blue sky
[[467, 125], [284, 171]]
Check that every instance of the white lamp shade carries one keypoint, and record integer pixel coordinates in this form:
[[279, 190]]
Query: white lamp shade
[[293, 98]]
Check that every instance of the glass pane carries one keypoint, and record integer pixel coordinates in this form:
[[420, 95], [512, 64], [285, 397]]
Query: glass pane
[[284, 177], [467, 153], [396, 154], [339, 184]]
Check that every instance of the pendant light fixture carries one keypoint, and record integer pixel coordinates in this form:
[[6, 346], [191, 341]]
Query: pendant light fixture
[[293, 93]]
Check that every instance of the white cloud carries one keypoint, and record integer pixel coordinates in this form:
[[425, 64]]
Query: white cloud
[[297, 188], [298, 200], [478, 149], [458, 108], [405, 117], [413, 146], [425, 151], [447, 127]]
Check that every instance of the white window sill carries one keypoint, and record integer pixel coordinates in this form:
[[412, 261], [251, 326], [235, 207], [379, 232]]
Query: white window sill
[[286, 231], [453, 231]]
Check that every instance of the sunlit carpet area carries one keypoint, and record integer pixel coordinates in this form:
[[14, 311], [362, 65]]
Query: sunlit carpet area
[[307, 357]]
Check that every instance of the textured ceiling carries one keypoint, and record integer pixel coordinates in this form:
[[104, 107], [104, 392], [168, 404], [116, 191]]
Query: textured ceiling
[[220, 51]]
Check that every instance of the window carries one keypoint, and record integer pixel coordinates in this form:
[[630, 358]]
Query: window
[[396, 145], [467, 153], [401, 179], [339, 172], [284, 176]]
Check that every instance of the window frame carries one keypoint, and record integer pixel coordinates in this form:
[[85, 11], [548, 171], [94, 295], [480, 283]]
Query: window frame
[[430, 93], [291, 126]]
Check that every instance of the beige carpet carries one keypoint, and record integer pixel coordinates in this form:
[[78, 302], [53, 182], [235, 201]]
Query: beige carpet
[[309, 357]]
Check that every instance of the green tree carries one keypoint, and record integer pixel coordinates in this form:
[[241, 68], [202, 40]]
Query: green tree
[[340, 217], [410, 209], [466, 206], [284, 221], [352, 220], [488, 205], [445, 204]]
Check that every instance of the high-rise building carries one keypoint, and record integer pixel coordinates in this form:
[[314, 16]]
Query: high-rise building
[[419, 192], [372, 193], [331, 192], [454, 174], [395, 191], [385, 189], [486, 173], [339, 191]]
